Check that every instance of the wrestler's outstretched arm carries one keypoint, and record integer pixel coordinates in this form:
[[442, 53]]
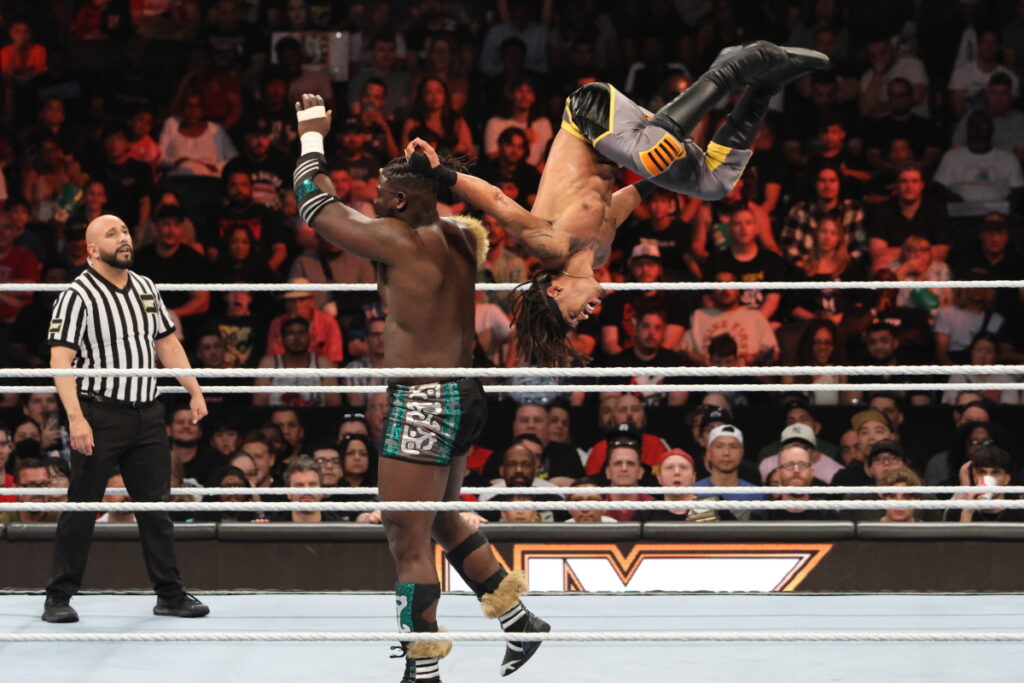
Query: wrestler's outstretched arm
[[380, 239], [535, 234], [627, 198]]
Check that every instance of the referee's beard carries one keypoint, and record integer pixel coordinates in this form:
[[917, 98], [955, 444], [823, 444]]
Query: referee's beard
[[123, 258]]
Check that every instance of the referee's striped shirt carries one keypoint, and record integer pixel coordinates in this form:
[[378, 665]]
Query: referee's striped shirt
[[111, 328]]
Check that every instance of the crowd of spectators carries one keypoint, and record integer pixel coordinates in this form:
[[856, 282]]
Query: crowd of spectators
[[900, 162]]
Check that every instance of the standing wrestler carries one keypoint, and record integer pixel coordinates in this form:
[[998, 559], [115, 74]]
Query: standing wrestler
[[112, 318], [426, 273], [573, 221]]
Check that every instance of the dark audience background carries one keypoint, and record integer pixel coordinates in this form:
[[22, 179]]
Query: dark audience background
[[899, 162]]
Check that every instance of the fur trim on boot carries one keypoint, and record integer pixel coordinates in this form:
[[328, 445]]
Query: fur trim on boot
[[504, 597], [422, 649]]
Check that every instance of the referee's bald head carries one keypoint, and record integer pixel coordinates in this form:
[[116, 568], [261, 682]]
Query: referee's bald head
[[100, 225]]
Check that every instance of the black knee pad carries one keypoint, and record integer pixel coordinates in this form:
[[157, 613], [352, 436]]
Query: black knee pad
[[457, 557]]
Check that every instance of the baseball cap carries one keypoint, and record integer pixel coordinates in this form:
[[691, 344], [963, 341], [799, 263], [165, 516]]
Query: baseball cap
[[675, 451], [797, 403], [297, 295], [352, 124], [259, 126], [725, 430], [624, 433], [715, 415], [869, 416], [993, 221], [799, 432], [885, 446], [645, 250]]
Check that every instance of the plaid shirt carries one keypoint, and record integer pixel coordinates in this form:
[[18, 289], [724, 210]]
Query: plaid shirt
[[797, 238]]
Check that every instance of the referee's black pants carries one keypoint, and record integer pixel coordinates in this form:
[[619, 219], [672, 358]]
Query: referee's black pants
[[134, 440]]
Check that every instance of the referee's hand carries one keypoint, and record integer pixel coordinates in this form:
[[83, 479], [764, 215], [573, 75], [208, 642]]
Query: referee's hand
[[198, 407], [81, 435]]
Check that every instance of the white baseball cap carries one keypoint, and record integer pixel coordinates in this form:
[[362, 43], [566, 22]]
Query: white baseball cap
[[725, 430], [798, 431]]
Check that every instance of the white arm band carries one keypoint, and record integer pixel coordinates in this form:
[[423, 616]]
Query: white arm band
[[311, 142]]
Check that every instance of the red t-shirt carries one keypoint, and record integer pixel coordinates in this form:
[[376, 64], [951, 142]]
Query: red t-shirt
[[19, 265], [626, 515], [8, 484]]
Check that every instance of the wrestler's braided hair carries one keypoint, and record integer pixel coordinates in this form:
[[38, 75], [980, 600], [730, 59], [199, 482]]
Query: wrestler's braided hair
[[540, 333], [399, 172]]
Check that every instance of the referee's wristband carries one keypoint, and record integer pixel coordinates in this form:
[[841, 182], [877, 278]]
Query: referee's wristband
[[444, 176], [644, 187]]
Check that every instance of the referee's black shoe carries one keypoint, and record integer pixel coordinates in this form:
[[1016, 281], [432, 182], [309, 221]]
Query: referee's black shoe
[[57, 610], [181, 605]]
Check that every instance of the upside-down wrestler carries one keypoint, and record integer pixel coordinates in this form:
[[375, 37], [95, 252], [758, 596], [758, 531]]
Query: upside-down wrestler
[[573, 220], [426, 274]]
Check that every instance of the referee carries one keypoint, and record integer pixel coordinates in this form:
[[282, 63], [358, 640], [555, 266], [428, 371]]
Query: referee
[[110, 317]]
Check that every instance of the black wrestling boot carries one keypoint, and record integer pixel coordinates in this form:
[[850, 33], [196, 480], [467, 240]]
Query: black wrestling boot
[[422, 670], [519, 652], [733, 67], [741, 126], [762, 65]]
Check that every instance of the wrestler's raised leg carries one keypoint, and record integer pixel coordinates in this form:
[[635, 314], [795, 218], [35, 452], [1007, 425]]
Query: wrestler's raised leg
[[417, 590], [762, 65], [471, 556]]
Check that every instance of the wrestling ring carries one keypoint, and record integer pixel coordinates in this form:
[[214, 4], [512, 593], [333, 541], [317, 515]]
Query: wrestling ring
[[660, 637]]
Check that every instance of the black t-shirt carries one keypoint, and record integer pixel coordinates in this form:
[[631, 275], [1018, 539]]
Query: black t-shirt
[[916, 130], [264, 224], [662, 359], [184, 266], [673, 242], [854, 475], [270, 177], [1003, 515], [126, 184], [666, 516], [204, 464], [523, 176], [931, 222], [245, 338], [970, 264], [325, 516], [364, 168], [828, 301], [623, 309], [31, 325], [765, 267], [803, 515]]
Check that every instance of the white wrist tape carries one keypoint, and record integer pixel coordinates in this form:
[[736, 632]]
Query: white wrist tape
[[318, 112], [311, 142]]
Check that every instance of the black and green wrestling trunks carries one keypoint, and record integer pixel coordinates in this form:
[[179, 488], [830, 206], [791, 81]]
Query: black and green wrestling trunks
[[430, 424]]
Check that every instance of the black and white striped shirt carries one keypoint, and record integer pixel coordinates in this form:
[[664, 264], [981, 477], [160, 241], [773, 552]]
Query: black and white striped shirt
[[111, 328]]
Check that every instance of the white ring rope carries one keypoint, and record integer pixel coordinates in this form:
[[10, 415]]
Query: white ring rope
[[465, 506], [569, 388], [346, 491], [508, 286], [630, 370], [500, 636]]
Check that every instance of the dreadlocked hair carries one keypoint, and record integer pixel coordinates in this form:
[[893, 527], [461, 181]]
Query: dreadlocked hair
[[399, 172], [540, 331]]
